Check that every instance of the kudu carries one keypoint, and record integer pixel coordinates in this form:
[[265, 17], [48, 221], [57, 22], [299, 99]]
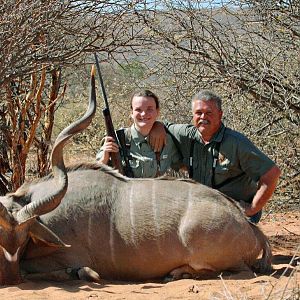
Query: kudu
[[121, 228]]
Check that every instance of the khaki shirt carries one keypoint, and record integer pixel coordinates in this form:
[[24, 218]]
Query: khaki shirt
[[144, 163], [238, 158]]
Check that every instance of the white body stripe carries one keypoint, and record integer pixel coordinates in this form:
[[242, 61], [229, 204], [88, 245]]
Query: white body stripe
[[131, 212], [155, 217]]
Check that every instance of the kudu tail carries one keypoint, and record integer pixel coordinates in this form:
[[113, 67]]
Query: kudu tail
[[264, 264]]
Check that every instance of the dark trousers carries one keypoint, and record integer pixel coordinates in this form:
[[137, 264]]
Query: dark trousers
[[255, 218]]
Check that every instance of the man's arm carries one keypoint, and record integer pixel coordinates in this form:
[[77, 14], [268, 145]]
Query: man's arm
[[266, 187], [157, 136], [182, 134]]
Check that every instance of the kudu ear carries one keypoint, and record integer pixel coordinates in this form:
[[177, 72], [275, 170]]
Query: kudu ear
[[43, 241], [5, 217]]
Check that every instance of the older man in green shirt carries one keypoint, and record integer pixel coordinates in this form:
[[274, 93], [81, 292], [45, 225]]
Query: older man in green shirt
[[222, 158]]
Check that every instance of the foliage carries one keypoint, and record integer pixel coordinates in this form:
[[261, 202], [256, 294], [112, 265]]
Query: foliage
[[37, 37], [247, 51]]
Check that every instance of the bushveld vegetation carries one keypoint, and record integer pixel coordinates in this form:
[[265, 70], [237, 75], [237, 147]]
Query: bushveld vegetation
[[247, 51]]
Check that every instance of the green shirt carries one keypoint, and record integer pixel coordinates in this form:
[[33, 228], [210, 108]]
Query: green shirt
[[238, 159], [144, 163]]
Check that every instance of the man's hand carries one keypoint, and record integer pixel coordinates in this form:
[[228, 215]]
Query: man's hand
[[266, 186], [157, 136], [109, 146]]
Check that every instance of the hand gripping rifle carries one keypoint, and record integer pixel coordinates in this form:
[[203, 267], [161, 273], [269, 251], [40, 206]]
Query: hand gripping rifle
[[110, 131]]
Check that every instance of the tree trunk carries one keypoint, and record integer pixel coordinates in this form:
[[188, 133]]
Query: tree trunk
[[43, 144]]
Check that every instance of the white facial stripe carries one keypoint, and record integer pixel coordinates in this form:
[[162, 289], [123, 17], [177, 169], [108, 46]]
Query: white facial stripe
[[9, 257]]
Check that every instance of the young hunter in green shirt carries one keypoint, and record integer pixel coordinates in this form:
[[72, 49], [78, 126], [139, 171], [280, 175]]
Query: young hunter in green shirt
[[144, 162]]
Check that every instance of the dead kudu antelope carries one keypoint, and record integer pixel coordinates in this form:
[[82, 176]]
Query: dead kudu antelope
[[130, 229]]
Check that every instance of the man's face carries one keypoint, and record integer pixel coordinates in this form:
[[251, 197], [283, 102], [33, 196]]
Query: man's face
[[206, 117]]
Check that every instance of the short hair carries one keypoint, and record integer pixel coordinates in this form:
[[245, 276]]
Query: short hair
[[145, 93], [207, 95]]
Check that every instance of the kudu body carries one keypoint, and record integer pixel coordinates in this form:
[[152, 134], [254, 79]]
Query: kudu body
[[132, 229]]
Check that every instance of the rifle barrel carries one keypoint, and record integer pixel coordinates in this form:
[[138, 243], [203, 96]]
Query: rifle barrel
[[101, 81]]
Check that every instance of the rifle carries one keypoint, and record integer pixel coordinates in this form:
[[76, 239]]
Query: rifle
[[110, 131]]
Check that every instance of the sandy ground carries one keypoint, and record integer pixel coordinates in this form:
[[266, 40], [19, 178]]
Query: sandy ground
[[283, 231]]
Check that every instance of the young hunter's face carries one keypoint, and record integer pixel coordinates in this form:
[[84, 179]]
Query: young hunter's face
[[206, 117], [144, 113]]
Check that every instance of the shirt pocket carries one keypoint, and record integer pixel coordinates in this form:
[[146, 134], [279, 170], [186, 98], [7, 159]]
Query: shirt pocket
[[223, 171], [143, 168], [136, 168], [134, 163]]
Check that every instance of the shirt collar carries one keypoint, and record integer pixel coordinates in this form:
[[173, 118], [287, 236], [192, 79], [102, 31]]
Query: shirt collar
[[217, 137], [137, 137]]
